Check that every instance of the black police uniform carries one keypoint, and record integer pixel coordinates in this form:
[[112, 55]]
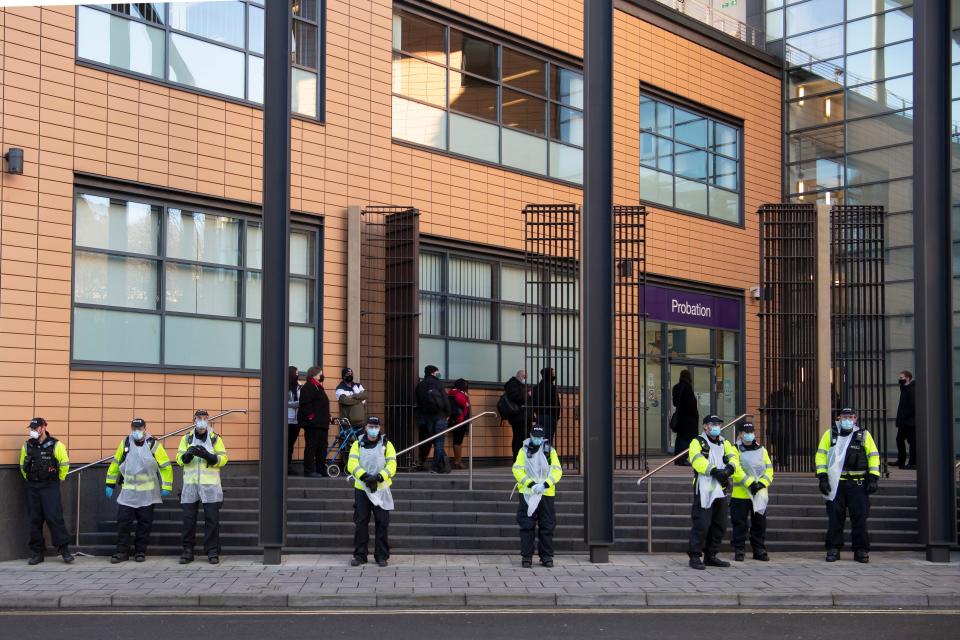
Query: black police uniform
[[43, 495]]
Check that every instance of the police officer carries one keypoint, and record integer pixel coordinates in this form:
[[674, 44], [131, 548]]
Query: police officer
[[748, 504], [144, 470], [373, 463], [714, 462], [43, 464], [848, 466], [201, 454], [537, 471]]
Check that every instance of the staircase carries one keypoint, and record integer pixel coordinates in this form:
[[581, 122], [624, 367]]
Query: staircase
[[437, 514]]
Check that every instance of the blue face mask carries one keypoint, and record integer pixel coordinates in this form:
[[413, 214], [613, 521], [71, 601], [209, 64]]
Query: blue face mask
[[747, 438], [536, 441], [373, 432], [714, 431], [846, 424]]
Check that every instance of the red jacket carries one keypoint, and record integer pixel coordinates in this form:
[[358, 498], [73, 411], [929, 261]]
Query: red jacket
[[463, 402]]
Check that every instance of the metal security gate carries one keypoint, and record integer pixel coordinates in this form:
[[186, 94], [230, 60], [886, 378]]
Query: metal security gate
[[630, 330], [858, 332], [552, 313], [389, 316], [788, 333]]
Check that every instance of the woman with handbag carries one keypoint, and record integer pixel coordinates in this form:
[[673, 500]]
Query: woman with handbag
[[686, 415]]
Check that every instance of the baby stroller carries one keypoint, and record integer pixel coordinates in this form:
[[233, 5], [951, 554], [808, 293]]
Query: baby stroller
[[338, 450]]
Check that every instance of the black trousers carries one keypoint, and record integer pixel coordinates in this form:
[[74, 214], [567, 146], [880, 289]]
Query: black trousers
[[906, 436], [709, 525], [43, 505], [362, 508], [539, 527], [549, 424], [129, 517], [423, 432], [682, 443], [851, 498], [315, 449], [519, 426], [211, 526], [293, 432], [744, 520]]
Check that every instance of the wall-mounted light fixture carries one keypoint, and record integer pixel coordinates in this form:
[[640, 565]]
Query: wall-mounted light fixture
[[14, 158]]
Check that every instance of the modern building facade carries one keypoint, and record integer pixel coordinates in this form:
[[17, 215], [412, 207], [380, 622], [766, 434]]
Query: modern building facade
[[131, 241]]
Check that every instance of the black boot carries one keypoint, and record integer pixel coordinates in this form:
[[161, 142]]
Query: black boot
[[119, 557], [761, 555], [833, 555], [187, 556], [739, 555], [696, 563], [862, 557], [36, 558], [714, 561], [66, 555], [526, 563]]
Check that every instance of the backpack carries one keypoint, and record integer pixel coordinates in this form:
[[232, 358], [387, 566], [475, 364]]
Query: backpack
[[507, 408], [454, 408]]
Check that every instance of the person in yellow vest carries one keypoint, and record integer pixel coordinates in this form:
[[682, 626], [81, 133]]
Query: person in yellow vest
[[537, 471], [44, 464], [201, 454], [714, 462], [145, 474], [848, 467], [748, 504], [373, 463]]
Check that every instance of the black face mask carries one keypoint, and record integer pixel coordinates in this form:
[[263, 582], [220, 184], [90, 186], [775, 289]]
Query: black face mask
[[320, 379], [348, 379], [902, 382]]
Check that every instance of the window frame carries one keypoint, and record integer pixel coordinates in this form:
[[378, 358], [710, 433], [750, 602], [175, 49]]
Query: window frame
[[500, 42], [712, 116], [308, 223], [245, 50]]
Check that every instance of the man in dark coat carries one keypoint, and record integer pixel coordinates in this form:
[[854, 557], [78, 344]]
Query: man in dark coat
[[686, 423], [433, 411], [515, 390], [546, 403], [907, 422]]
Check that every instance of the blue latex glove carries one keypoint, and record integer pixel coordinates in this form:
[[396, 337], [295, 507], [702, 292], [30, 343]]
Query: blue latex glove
[[109, 492], [164, 493]]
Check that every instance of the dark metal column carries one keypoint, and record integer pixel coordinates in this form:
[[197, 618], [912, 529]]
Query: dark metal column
[[596, 280], [931, 229], [276, 232]]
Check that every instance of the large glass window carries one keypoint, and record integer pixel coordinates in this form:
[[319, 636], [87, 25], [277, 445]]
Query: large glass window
[[167, 287], [215, 47], [463, 93], [689, 161], [472, 320]]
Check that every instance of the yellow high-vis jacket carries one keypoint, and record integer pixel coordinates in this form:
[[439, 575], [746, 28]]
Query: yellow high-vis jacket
[[159, 454], [59, 455], [355, 469], [700, 459], [520, 471], [742, 478], [862, 458]]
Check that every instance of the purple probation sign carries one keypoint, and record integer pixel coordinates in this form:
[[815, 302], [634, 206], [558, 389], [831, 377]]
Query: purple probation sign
[[688, 307]]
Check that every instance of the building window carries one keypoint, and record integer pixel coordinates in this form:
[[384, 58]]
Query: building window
[[690, 161], [215, 47], [472, 320], [162, 286], [469, 95]]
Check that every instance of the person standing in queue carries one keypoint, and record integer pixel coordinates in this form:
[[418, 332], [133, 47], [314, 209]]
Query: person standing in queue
[[293, 410], [907, 422], [545, 402], [848, 467], [352, 398], [201, 454], [515, 393], [459, 398], [748, 504], [714, 461], [44, 464], [145, 474], [537, 471], [433, 410], [314, 414], [684, 419], [373, 464]]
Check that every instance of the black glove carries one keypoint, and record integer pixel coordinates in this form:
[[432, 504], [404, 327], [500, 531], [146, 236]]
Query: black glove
[[380, 478], [187, 457], [531, 484], [371, 483], [730, 469], [196, 451], [719, 474], [209, 456], [824, 484], [756, 488], [872, 484]]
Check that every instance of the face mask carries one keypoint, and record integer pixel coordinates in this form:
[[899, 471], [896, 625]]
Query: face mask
[[902, 382], [373, 432], [138, 434], [748, 438], [202, 425], [348, 379], [34, 434], [320, 379], [536, 441], [437, 375], [846, 424], [714, 431]]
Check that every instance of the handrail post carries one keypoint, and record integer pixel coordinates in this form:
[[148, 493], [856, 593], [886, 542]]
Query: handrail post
[[470, 462], [650, 516]]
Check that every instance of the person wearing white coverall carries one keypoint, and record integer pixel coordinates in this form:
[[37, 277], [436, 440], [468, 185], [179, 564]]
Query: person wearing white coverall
[[537, 471], [748, 503], [372, 463]]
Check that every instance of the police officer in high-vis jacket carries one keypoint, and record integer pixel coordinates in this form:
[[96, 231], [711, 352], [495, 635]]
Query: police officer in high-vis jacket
[[714, 461], [43, 464], [143, 470], [373, 463], [848, 466], [748, 504], [201, 454], [537, 471]]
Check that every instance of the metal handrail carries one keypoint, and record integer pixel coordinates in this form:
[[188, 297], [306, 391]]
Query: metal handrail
[[78, 470], [661, 467], [448, 430]]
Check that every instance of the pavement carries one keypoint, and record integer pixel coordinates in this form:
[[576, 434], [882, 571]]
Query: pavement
[[790, 580]]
